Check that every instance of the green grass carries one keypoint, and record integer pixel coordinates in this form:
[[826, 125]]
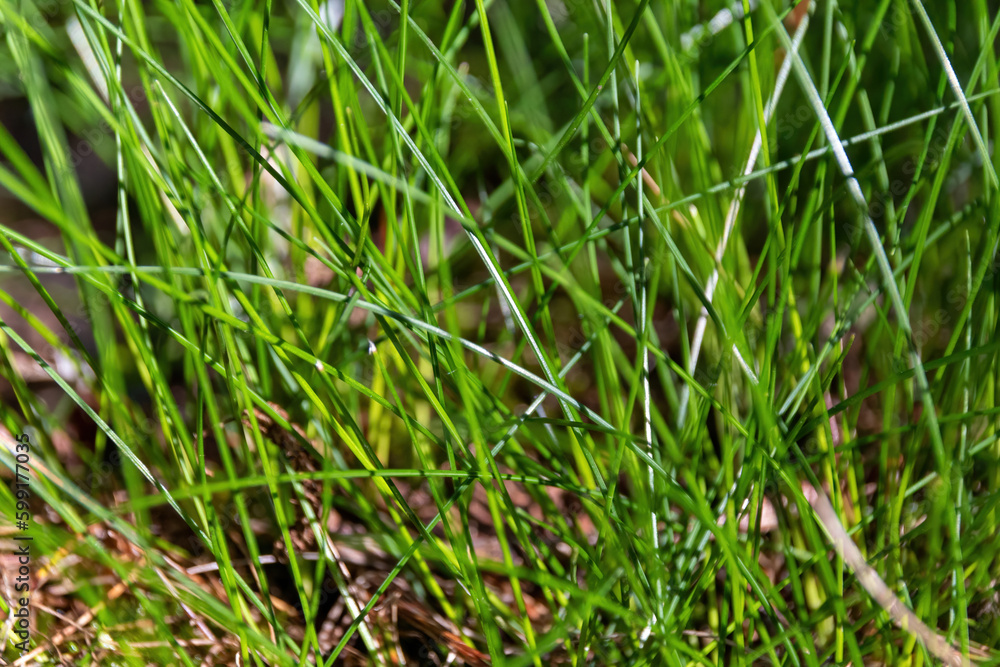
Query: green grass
[[571, 306]]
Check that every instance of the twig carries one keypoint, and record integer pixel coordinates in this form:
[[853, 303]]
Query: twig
[[901, 615]]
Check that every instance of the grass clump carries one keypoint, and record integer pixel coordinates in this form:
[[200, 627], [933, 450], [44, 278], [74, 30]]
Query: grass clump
[[501, 332]]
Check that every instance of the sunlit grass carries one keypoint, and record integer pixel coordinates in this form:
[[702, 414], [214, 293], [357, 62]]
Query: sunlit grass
[[572, 306]]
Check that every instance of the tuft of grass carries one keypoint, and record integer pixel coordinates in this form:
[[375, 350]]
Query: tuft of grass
[[651, 332]]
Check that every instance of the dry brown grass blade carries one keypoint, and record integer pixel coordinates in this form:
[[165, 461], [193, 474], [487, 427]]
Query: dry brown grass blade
[[901, 615], [66, 632]]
